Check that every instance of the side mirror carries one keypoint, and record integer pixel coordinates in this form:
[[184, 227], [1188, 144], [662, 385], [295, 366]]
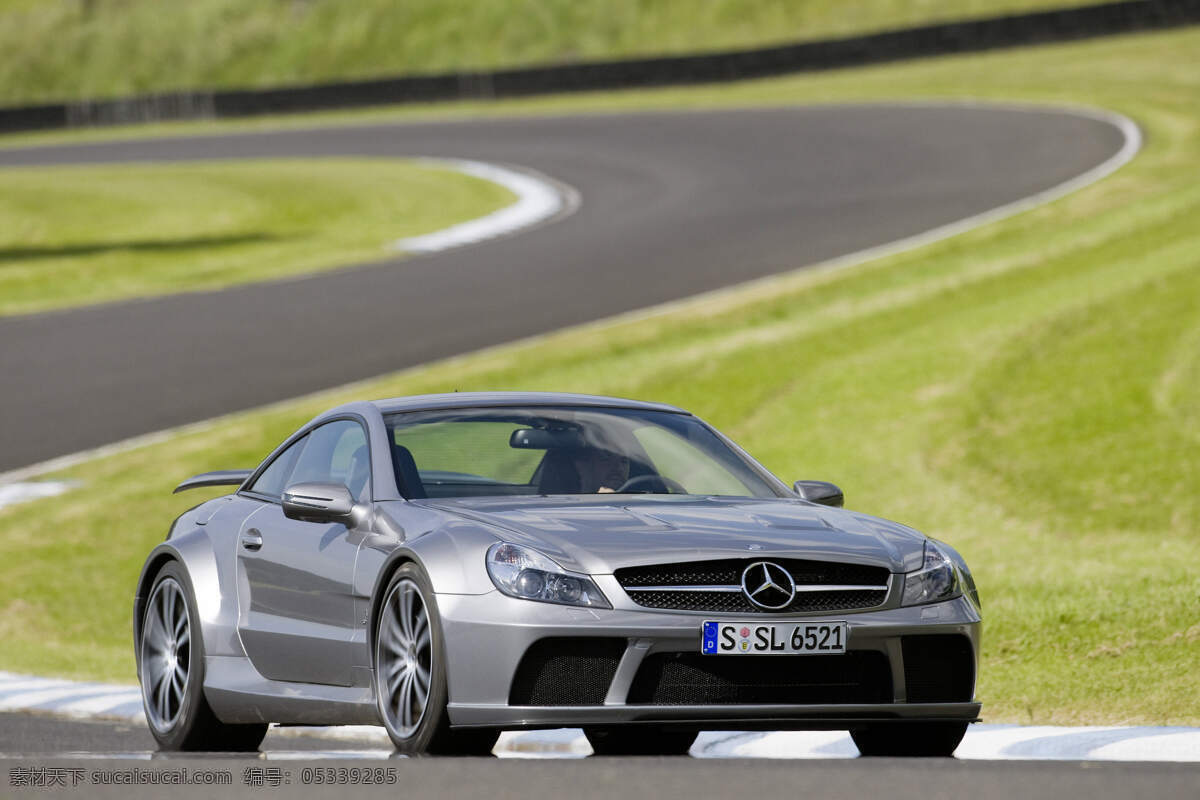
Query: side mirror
[[821, 492], [318, 502]]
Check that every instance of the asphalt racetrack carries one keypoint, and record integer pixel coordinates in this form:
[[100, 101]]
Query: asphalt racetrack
[[672, 204]]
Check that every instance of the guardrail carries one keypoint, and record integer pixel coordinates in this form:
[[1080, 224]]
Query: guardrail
[[929, 40]]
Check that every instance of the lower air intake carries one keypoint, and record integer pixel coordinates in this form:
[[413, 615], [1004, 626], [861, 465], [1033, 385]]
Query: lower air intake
[[938, 668], [566, 671], [862, 676]]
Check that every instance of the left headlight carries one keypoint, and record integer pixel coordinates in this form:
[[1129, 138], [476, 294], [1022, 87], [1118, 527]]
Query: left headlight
[[937, 579], [527, 574]]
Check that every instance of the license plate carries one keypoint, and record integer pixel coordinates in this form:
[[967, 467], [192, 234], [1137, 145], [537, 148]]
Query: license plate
[[777, 638]]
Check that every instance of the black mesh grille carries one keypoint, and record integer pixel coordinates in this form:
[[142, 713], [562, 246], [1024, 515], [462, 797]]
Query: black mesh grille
[[728, 572], [566, 671], [736, 602], [938, 669], [694, 601], [861, 676]]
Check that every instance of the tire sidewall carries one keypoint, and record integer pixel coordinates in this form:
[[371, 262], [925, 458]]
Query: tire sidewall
[[176, 736], [434, 721], [910, 739]]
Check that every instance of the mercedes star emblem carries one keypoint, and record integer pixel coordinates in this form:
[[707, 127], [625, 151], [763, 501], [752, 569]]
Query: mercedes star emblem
[[768, 586]]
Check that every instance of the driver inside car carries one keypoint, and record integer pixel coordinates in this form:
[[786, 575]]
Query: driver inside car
[[600, 471]]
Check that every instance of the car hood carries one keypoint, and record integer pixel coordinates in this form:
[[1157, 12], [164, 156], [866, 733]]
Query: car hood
[[585, 534]]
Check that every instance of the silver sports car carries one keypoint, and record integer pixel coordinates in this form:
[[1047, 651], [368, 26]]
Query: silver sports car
[[451, 566]]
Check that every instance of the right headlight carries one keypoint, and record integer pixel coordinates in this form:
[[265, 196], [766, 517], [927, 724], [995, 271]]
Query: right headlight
[[521, 572], [935, 581]]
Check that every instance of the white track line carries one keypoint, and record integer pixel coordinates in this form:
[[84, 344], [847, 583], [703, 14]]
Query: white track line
[[104, 705], [539, 200], [1175, 746], [19, 492]]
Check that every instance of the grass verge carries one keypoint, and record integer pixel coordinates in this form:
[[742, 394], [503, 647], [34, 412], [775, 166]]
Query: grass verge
[[78, 235], [73, 49], [1026, 391]]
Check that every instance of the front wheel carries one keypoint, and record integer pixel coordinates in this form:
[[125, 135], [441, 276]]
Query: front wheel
[[171, 671], [908, 739], [410, 672], [639, 741]]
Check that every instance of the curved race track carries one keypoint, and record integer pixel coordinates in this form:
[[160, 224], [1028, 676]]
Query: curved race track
[[672, 204]]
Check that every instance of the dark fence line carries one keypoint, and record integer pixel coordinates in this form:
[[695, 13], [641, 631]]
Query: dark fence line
[[929, 40]]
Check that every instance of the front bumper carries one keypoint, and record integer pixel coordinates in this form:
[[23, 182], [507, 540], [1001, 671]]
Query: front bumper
[[487, 635]]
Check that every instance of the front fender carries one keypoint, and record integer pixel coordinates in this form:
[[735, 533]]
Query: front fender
[[193, 550], [452, 555]]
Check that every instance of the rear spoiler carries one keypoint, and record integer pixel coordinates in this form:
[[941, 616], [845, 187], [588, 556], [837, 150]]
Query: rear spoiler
[[223, 477]]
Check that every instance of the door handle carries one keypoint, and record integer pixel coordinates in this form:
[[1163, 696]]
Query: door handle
[[252, 540]]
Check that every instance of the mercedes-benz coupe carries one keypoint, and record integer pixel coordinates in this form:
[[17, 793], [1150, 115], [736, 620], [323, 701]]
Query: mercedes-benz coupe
[[452, 566]]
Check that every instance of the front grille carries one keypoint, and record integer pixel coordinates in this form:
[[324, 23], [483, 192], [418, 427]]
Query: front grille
[[728, 572], [938, 668], [566, 671], [736, 602], [860, 676]]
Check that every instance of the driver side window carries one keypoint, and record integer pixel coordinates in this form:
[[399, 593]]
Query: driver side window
[[275, 477], [337, 452]]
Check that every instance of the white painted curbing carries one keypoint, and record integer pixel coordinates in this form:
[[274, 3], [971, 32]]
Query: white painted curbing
[[19, 492], [538, 200], [990, 742]]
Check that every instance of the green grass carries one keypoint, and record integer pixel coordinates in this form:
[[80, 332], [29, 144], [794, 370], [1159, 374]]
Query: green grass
[[71, 49], [1026, 391], [77, 235]]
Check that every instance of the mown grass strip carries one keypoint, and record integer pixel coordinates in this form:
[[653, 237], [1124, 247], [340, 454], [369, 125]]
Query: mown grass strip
[[1025, 391], [78, 235]]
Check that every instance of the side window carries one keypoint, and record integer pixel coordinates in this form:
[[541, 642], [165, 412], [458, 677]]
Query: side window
[[274, 478], [336, 453]]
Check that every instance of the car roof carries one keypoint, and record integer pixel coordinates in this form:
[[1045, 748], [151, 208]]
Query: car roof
[[425, 402]]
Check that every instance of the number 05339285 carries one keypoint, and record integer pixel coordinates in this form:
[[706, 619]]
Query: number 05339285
[[778, 638]]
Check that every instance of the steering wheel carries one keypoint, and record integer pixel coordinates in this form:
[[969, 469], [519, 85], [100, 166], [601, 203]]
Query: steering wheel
[[672, 486]]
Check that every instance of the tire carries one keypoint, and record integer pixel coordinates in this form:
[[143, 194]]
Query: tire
[[410, 672], [910, 739], [639, 741], [170, 660]]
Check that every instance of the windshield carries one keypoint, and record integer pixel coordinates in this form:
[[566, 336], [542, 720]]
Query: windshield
[[555, 451]]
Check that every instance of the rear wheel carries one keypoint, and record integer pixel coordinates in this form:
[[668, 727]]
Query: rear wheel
[[171, 671], [410, 672], [929, 739], [639, 741]]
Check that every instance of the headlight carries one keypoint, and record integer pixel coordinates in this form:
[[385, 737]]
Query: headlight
[[529, 575], [935, 581]]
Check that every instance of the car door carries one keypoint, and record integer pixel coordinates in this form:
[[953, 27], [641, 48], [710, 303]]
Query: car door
[[295, 579]]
